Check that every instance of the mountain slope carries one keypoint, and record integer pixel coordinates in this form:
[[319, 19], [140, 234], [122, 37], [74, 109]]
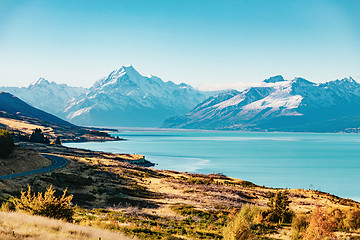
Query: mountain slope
[[47, 96], [21, 118], [13, 105], [279, 105], [126, 98]]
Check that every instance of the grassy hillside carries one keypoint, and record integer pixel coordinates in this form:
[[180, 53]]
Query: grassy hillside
[[20, 124], [112, 193], [21, 119]]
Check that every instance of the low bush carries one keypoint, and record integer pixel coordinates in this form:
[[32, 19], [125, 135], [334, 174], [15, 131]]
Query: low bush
[[7, 205], [345, 219], [46, 204], [321, 226], [298, 226], [57, 141], [240, 225], [352, 219]]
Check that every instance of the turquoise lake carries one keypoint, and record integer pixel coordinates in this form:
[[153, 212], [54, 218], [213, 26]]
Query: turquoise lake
[[326, 162]]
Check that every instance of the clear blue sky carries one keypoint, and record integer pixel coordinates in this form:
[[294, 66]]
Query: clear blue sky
[[206, 43]]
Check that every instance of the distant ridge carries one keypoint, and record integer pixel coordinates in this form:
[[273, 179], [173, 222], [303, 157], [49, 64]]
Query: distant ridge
[[279, 105], [124, 98], [47, 96], [13, 105]]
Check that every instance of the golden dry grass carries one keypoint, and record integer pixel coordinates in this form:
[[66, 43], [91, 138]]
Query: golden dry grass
[[24, 126], [16, 225], [137, 191]]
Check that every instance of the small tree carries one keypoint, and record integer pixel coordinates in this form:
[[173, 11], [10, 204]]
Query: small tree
[[38, 137], [46, 204], [6, 143], [57, 141], [279, 208]]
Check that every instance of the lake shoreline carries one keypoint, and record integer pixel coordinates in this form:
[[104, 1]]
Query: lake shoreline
[[185, 152]]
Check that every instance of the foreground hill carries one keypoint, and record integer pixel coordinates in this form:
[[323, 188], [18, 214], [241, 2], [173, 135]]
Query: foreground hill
[[20, 117], [280, 105], [157, 204]]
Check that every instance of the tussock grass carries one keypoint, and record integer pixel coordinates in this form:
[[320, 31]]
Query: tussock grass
[[14, 225]]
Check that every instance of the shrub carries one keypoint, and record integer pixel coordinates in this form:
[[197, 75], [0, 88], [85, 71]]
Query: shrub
[[321, 226], [298, 226], [8, 206], [240, 225], [6, 143], [337, 216], [57, 141], [345, 219], [46, 204], [22, 137], [352, 219]]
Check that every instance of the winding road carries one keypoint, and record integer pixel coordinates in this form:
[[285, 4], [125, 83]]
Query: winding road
[[58, 162]]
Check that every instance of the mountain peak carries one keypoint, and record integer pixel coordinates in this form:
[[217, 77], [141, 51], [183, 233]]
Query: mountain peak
[[40, 81], [303, 81], [125, 70], [348, 79], [128, 66], [277, 78]]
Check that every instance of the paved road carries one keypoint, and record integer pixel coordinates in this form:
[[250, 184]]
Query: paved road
[[58, 162]]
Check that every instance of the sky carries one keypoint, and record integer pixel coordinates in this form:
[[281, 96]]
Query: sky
[[209, 44]]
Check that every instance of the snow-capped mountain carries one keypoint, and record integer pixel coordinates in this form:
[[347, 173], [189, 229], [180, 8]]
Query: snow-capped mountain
[[127, 98], [279, 105], [47, 96]]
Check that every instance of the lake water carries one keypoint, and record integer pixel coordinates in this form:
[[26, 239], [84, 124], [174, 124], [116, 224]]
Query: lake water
[[326, 162]]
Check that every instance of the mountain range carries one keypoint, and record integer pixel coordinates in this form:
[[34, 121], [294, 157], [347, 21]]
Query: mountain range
[[47, 96], [123, 98], [128, 99], [279, 105]]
